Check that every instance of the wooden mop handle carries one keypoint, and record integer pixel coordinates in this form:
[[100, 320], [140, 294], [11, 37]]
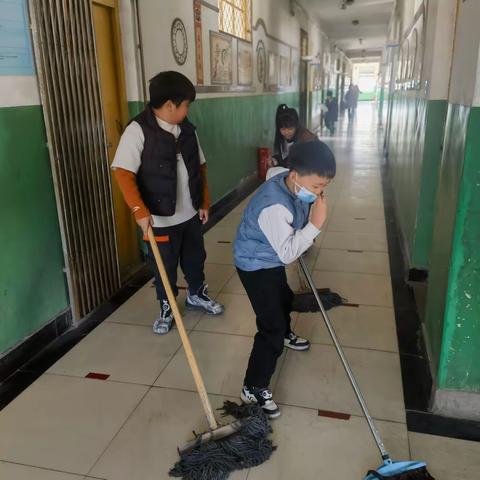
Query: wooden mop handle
[[202, 392]]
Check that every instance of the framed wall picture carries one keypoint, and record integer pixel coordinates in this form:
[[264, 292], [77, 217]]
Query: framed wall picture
[[284, 71], [220, 59], [244, 63], [272, 69]]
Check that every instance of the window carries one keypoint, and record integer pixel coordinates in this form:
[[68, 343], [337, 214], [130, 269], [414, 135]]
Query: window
[[235, 18]]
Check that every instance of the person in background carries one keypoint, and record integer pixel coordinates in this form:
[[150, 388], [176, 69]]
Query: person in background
[[331, 114], [350, 102], [288, 131]]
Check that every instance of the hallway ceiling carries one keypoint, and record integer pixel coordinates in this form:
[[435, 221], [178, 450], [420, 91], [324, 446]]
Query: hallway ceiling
[[373, 17]]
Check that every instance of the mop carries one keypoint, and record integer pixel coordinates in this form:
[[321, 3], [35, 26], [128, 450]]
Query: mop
[[389, 470], [213, 455]]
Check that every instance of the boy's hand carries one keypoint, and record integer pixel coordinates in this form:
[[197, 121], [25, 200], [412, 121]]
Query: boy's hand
[[319, 211], [203, 214], [144, 223]]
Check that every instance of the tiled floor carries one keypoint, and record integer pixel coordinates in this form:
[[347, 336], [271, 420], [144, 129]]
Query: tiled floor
[[127, 427]]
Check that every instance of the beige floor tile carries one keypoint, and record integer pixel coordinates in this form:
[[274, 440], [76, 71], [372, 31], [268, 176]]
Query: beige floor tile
[[360, 288], [221, 234], [338, 224], [64, 423], [354, 262], [222, 360], [368, 242], [128, 353], [239, 317], [369, 213], [447, 458], [216, 276], [234, 285], [316, 379], [219, 253], [143, 308], [13, 471], [312, 447], [146, 447], [362, 327], [231, 220]]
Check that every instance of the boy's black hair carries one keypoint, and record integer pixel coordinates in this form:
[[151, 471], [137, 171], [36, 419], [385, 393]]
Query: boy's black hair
[[314, 157], [172, 86], [329, 93]]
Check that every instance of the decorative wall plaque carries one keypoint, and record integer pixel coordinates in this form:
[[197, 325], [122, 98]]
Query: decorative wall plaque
[[179, 41], [261, 62]]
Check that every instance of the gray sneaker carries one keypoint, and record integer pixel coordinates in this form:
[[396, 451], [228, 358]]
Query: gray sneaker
[[201, 301], [163, 323]]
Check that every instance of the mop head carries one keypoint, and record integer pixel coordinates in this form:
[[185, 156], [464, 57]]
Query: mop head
[[215, 460], [400, 471]]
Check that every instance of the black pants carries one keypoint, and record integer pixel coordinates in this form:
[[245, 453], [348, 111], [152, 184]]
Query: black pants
[[271, 299], [181, 243]]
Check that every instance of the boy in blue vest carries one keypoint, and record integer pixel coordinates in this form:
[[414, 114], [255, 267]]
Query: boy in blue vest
[[279, 224], [161, 171]]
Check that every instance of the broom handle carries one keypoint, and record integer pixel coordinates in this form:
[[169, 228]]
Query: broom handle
[[346, 366], [202, 392]]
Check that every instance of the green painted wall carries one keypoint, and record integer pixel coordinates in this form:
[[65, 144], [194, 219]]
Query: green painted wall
[[459, 366], [230, 131], [32, 283], [405, 159], [436, 114], [415, 145], [449, 182]]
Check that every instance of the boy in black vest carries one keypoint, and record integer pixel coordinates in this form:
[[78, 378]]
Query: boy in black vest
[[161, 171]]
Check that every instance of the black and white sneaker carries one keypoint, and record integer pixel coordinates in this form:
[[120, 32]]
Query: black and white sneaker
[[262, 396], [163, 323], [296, 343], [201, 301]]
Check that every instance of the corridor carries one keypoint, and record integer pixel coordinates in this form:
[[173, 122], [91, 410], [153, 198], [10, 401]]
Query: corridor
[[127, 425]]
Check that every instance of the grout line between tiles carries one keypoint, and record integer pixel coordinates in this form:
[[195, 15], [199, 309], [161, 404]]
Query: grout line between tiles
[[119, 430], [79, 475]]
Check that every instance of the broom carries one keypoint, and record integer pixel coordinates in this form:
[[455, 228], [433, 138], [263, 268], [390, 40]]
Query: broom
[[213, 455], [389, 470]]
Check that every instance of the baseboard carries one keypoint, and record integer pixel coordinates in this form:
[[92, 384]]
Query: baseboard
[[17, 356]]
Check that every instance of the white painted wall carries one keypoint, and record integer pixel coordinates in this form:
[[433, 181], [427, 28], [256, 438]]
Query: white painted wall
[[463, 83], [18, 91], [439, 47], [156, 19], [129, 47]]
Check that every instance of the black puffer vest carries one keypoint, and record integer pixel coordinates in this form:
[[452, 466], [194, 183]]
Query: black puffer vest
[[157, 176]]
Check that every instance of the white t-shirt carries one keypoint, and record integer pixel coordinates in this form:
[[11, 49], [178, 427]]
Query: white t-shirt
[[128, 157]]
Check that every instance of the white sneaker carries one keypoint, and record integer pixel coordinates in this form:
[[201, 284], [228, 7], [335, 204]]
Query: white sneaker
[[163, 323], [296, 343], [201, 301], [263, 397]]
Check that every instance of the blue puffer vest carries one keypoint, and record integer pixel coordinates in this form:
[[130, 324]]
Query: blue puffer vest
[[251, 249]]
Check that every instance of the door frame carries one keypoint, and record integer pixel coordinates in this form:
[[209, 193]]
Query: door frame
[[119, 64]]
